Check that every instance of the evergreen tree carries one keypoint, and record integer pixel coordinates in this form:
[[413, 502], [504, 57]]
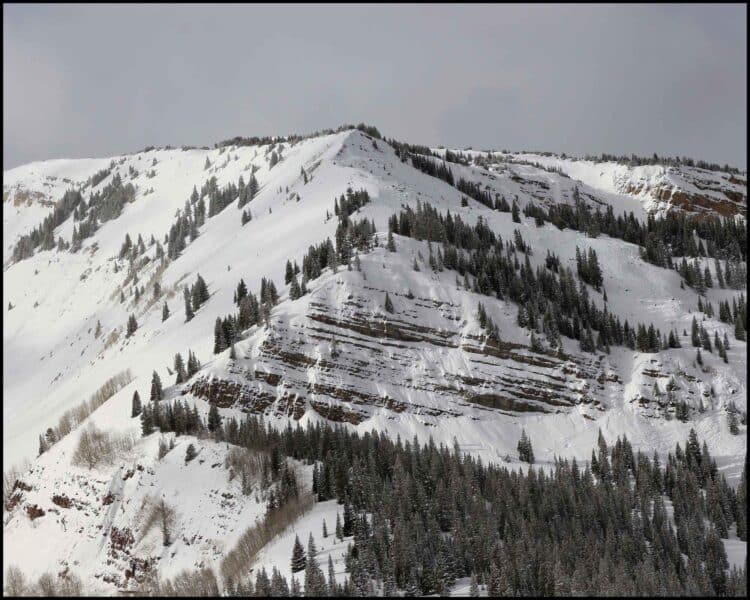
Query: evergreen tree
[[179, 368], [135, 405], [193, 365], [474, 587], [299, 561], [188, 305], [734, 428], [289, 273], [262, 584], [214, 419], [514, 212], [220, 343], [190, 453], [388, 303], [156, 389], [339, 531], [279, 585], [132, 325], [391, 246], [315, 583], [147, 423], [525, 451], [164, 312]]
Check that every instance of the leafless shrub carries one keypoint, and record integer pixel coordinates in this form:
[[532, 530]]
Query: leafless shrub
[[161, 514], [34, 511], [163, 447], [201, 582], [112, 338], [96, 446], [69, 585], [240, 558], [10, 477], [247, 464], [66, 584], [76, 415], [15, 582], [62, 501], [46, 585]]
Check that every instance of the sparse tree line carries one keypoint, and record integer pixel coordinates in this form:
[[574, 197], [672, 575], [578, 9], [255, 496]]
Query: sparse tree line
[[419, 516], [733, 275], [549, 299], [43, 235], [667, 161], [660, 239], [294, 138], [700, 339], [252, 311], [351, 236], [75, 416], [103, 206], [271, 468]]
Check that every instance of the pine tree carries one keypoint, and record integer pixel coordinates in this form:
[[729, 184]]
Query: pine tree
[[339, 532], [388, 303], [299, 561], [163, 448], [474, 587], [331, 577], [279, 585], [219, 341], [734, 428], [739, 328], [193, 365], [525, 451], [514, 212], [132, 325], [147, 423], [156, 389], [135, 405], [294, 289], [164, 312], [296, 588], [188, 305], [214, 419], [391, 246], [179, 368], [289, 273], [190, 453]]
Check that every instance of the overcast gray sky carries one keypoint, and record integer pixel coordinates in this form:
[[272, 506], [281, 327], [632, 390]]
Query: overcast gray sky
[[101, 80]]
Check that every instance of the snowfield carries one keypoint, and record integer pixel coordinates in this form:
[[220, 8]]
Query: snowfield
[[52, 360]]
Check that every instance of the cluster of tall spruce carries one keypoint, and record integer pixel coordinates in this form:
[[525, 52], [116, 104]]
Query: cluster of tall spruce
[[549, 299], [417, 517], [103, 206]]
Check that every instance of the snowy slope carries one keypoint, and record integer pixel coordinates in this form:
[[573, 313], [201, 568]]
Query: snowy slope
[[52, 356], [424, 370], [659, 188]]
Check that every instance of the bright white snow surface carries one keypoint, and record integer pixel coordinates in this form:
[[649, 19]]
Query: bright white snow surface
[[52, 361]]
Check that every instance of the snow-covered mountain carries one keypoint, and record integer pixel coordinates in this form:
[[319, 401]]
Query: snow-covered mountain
[[419, 364]]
